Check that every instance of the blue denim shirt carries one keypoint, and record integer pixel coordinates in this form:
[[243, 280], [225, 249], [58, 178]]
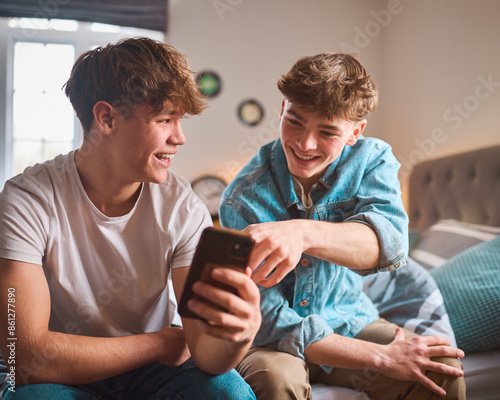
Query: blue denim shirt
[[319, 298]]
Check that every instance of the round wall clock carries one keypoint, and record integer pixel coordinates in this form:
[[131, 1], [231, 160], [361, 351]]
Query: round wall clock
[[209, 83], [250, 112], [209, 189]]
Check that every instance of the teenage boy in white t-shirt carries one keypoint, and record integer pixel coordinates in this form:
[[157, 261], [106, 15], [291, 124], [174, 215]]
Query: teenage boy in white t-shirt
[[89, 240]]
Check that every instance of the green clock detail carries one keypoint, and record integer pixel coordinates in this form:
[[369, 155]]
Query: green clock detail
[[209, 189]]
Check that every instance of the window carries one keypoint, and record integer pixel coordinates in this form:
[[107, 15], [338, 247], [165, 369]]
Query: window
[[37, 121], [42, 117]]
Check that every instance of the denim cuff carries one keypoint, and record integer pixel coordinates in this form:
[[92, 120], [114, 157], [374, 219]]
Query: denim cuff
[[311, 329]]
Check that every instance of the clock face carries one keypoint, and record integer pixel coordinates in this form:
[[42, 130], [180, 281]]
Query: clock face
[[209, 83], [209, 189], [250, 112]]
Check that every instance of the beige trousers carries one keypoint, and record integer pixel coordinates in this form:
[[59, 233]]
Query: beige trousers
[[275, 375]]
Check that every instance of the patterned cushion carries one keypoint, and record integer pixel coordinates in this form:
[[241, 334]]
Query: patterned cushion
[[470, 285], [410, 298], [447, 238]]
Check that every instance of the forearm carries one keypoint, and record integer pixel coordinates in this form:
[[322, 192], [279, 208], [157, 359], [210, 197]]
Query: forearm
[[45, 356], [403, 359], [219, 345], [344, 352], [213, 355], [71, 359], [280, 245], [349, 244]]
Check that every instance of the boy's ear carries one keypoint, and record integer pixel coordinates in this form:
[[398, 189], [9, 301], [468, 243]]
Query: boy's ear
[[356, 133], [282, 107], [104, 117]]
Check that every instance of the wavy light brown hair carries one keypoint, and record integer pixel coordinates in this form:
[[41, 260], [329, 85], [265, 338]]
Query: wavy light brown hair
[[331, 84], [131, 72]]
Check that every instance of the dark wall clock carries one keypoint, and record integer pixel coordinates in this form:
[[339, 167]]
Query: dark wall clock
[[209, 83], [209, 189], [250, 112]]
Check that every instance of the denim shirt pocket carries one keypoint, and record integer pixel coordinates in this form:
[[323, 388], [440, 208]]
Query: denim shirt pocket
[[334, 212]]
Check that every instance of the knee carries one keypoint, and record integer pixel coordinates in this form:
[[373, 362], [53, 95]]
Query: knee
[[269, 385], [230, 386], [276, 375], [454, 386], [274, 379]]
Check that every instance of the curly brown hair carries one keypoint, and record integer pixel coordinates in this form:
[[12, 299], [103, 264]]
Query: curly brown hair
[[131, 72], [332, 84]]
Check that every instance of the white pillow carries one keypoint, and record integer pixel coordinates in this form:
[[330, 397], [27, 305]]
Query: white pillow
[[448, 237]]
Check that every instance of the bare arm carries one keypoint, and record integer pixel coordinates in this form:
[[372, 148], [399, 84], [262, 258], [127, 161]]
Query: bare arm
[[219, 345], [280, 245], [45, 356], [403, 359]]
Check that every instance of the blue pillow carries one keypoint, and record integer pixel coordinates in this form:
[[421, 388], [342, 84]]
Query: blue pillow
[[470, 285]]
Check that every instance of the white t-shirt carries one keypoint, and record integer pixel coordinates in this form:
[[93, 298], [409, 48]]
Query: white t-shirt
[[108, 276]]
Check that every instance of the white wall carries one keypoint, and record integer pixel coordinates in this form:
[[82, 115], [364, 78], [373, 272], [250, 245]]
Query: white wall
[[428, 59], [437, 59]]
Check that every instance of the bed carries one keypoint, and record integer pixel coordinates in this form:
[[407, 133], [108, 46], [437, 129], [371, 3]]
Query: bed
[[451, 285]]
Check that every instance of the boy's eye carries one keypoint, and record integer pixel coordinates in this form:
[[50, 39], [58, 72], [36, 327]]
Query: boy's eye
[[330, 134]]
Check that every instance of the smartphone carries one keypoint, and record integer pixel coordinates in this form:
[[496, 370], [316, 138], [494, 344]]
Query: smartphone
[[218, 247]]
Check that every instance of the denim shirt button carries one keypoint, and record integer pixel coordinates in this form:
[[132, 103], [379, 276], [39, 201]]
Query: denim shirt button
[[320, 187], [303, 303], [304, 262]]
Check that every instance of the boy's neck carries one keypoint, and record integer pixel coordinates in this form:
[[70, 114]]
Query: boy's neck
[[103, 189]]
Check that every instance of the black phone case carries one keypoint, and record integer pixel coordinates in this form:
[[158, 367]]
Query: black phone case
[[218, 247]]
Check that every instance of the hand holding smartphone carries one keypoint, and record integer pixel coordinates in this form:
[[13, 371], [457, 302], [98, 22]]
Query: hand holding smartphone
[[218, 248]]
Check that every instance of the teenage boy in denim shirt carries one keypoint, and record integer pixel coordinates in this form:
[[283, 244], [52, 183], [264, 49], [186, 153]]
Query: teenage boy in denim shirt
[[323, 204]]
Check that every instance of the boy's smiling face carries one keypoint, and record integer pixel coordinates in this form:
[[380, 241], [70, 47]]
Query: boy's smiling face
[[146, 143], [312, 142]]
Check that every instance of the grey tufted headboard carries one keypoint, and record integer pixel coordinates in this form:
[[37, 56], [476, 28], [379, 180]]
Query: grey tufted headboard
[[465, 187]]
